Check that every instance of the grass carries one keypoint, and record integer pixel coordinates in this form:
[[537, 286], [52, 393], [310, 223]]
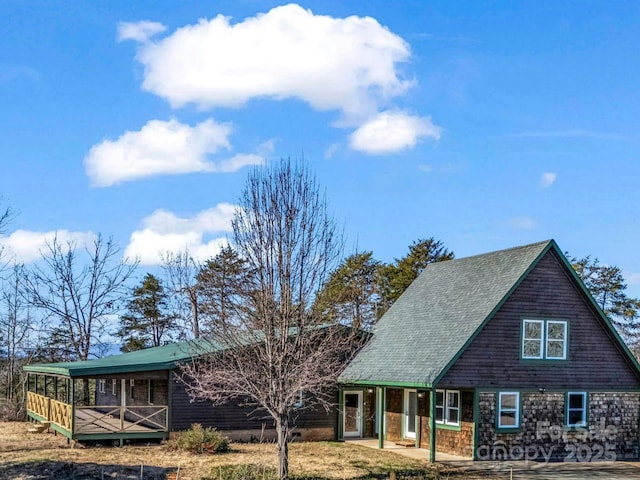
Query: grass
[[26, 456]]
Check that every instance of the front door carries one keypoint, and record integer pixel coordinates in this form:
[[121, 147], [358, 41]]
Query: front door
[[410, 413], [352, 414]]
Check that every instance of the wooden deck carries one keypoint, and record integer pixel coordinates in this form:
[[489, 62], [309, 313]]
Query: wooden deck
[[94, 421]]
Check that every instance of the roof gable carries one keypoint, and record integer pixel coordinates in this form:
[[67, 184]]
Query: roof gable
[[439, 314]]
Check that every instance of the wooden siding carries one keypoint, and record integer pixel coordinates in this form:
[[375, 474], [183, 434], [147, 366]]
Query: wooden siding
[[394, 414], [140, 388], [456, 442], [594, 361], [233, 416]]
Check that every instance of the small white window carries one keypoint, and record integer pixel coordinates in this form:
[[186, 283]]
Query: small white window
[[532, 331], [544, 339], [556, 340], [508, 409], [114, 387], [102, 385], [131, 385], [577, 409], [448, 407]]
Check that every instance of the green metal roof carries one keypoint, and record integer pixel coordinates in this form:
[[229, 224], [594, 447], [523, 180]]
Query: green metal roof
[[434, 320], [156, 358]]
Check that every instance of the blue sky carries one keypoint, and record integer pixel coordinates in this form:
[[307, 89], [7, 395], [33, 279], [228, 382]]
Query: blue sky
[[484, 124]]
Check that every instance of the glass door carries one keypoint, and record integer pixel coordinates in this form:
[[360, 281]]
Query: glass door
[[352, 417], [411, 412]]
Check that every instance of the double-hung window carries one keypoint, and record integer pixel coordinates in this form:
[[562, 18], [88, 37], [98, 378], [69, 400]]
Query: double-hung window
[[151, 392], [102, 385], [508, 409], [576, 409], [448, 407], [544, 339], [114, 387]]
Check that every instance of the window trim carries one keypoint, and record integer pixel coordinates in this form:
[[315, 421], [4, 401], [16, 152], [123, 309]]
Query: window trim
[[516, 410], [102, 385], [114, 387], [544, 340], [584, 409], [131, 386], [447, 408], [547, 339]]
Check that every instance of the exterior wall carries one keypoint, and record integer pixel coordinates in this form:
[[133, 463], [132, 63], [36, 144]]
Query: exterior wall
[[242, 422], [456, 441], [611, 433], [140, 388], [493, 360], [369, 413], [394, 414]]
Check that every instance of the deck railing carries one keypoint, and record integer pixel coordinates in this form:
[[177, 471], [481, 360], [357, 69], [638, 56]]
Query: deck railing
[[58, 413], [99, 418]]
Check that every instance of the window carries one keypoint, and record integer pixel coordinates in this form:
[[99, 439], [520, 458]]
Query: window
[[102, 385], [151, 392], [300, 401], [544, 339], [448, 407], [508, 409], [576, 409], [131, 385], [114, 387]]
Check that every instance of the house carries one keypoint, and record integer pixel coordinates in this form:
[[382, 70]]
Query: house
[[498, 356], [138, 395]]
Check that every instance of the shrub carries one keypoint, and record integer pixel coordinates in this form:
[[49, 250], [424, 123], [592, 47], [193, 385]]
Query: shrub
[[200, 440]]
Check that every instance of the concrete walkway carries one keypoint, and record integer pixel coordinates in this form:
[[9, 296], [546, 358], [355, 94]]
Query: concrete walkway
[[516, 470]]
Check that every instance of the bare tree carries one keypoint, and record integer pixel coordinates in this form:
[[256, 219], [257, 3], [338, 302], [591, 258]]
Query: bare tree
[[79, 298], [180, 271], [16, 328], [275, 348]]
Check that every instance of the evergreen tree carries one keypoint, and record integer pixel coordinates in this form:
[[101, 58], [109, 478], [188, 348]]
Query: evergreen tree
[[396, 277], [351, 295], [220, 281], [608, 288], [147, 322]]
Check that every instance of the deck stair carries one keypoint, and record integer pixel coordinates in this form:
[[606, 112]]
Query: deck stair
[[40, 427], [406, 443]]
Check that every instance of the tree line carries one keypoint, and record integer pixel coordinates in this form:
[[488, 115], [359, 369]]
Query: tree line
[[281, 299]]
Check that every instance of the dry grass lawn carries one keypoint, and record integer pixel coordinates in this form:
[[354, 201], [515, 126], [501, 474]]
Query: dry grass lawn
[[26, 456]]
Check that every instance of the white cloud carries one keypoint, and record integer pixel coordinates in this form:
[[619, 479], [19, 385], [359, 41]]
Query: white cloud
[[139, 31], [346, 64], [390, 132], [547, 179], [203, 234], [161, 148], [25, 246], [525, 223]]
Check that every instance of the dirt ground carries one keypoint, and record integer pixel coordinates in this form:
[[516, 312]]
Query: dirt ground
[[32, 456]]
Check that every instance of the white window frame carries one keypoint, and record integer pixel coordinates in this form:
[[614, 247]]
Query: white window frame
[[114, 387], [131, 385], [447, 407], [525, 322], [544, 339], [515, 410], [102, 385], [583, 410], [547, 339]]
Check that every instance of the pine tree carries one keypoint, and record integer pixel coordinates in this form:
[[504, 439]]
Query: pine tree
[[396, 277], [220, 281], [351, 295], [147, 322]]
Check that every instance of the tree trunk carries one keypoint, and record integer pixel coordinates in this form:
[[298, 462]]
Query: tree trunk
[[282, 432]]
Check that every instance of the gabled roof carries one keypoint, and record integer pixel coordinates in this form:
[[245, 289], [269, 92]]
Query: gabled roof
[[157, 358], [439, 314]]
